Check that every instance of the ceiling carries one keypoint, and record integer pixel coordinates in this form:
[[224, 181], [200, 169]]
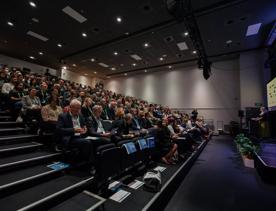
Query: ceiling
[[143, 21]]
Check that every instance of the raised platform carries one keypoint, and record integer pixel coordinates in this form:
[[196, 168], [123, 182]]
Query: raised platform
[[265, 162]]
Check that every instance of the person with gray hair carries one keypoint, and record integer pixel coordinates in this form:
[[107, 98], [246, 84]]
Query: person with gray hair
[[123, 128], [72, 130]]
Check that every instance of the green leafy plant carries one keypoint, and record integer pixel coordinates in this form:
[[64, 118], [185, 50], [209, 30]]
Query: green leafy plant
[[245, 146]]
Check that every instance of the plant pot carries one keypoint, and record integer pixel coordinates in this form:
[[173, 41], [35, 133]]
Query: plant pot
[[248, 162]]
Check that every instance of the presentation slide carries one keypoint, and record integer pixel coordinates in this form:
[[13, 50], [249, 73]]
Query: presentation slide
[[271, 94]]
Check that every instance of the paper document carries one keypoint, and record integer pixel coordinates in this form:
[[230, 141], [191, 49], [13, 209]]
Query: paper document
[[135, 184], [160, 168], [119, 196]]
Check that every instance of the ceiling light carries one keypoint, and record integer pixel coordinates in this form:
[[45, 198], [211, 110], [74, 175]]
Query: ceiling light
[[40, 53], [31, 57], [125, 74], [35, 20], [108, 77], [84, 34], [74, 14], [145, 71], [59, 45], [170, 67], [122, 65], [229, 41], [95, 72], [112, 68], [115, 53], [146, 45], [194, 52], [38, 36], [74, 65], [119, 19], [10, 23], [127, 33], [136, 57], [134, 64], [85, 74], [92, 60], [161, 58], [32, 4], [253, 29], [186, 34], [64, 68], [103, 64], [182, 46]]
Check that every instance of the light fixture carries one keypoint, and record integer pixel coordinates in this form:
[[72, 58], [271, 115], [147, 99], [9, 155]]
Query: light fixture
[[10, 23], [40, 53], [170, 67], [122, 65], [194, 52], [146, 45], [59, 45], [32, 4], [64, 68], [186, 34], [115, 53], [134, 64], [229, 41], [95, 72], [84, 34], [145, 71], [253, 29], [31, 57], [119, 19], [161, 58], [74, 65], [125, 74], [92, 60], [108, 77], [85, 74], [112, 68]]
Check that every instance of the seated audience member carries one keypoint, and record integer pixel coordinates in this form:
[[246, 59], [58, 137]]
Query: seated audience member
[[122, 128], [167, 148], [16, 99], [3, 77], [81, 96], [144, 120], [112, 110], [86, 108], [72, 130], [50, 113], [105, 110], [135, 119], [6, 88], [31, 108], [43, 93]]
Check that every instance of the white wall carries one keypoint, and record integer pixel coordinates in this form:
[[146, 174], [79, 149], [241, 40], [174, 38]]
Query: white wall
[[252, 78], [78, 78], [185, 88], [13, 62]]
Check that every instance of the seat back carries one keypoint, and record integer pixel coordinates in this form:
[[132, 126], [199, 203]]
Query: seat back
[[151, 146], [107, 124], [108, 161], [128, 154], [142, 152]]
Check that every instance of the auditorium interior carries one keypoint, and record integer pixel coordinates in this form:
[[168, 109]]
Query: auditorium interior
[[138, 105]]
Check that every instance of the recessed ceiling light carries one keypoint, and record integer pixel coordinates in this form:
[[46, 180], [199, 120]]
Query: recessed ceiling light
[[32, 4], [35, 20], [125, 74], [64, 68], [161, 58], [85, 74], [103, 64], [170, 67], [136, 57], [95, 72], [182, 46], [146, 45], [127, 33], [119, 19], [59, 45], [10, 23], [74, 65], [92, 60], [84, 34], [40, 53], [145, 71], [253, 29], [115, 53], [112, 68], [31, 57], [194, 52], [108, 77], [38, 36], [74, 14], [122, 65], [134, 64], [229, 41], [186, 34]]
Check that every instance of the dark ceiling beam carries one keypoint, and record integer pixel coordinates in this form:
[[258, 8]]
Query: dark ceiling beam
[[187, 61], [165, 24]]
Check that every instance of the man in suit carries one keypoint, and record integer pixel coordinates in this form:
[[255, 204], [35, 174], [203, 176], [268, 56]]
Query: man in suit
[[72, 129]]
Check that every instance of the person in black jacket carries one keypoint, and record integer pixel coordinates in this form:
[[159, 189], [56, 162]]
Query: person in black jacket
[[72, 129], [86, 108]]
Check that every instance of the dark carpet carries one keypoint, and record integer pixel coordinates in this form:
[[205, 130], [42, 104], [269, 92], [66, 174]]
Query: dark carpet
[[218, 181]]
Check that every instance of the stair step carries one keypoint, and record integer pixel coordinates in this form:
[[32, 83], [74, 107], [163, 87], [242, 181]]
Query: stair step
[[19, 148], [8, 131], [82, 201], [13, 181], [17, 161], [40, 195], [10, 124], [5, 118], [17, 138], [4, 113]]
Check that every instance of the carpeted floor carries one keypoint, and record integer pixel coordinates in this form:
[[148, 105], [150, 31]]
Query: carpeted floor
[[218, 181]]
